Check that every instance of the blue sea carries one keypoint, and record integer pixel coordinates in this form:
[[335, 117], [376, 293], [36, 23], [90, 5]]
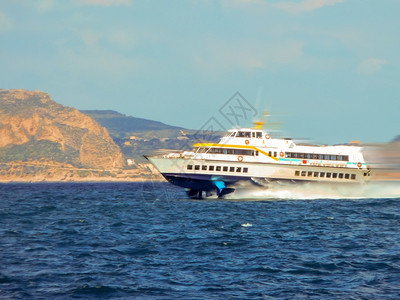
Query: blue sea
[[149, 241]]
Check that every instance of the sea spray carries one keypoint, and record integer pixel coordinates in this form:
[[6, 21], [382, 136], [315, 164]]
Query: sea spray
[[277, 190]]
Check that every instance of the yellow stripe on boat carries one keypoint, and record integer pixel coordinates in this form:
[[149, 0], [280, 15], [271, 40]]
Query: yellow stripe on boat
[[234, 146]]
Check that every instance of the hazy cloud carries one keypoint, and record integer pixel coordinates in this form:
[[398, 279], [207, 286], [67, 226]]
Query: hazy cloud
[[305, 5], [294, 7], [371, 66], [122, 38], [224, 56], [104, 2], [45, 6], [5, 22], [91, 37], [241, 2], [238, 4]]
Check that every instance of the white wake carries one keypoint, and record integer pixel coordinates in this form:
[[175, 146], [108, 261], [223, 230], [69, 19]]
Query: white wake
[[278, 190]]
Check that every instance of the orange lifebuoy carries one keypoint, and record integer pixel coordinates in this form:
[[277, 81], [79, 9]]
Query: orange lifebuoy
[[246, 142], [359, 165], [240, 158], [267, 137], [281, 154]]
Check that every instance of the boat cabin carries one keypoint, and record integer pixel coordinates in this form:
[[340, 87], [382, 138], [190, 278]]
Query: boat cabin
[[245, 133]]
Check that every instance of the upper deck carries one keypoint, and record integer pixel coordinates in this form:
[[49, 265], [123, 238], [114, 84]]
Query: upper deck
[[254, 137], [258, 146], [260, 138]]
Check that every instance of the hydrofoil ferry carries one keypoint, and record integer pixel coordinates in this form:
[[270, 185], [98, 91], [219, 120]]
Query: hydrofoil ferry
[[251, 154]]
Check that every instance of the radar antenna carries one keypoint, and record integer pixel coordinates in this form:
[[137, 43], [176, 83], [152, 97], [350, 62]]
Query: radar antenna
[[259, 124]]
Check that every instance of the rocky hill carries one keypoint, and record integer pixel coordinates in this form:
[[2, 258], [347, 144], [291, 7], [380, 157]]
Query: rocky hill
[[122, 126], [33, 127]]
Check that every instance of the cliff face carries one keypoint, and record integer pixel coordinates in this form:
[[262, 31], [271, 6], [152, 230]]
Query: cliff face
[[33, 126]]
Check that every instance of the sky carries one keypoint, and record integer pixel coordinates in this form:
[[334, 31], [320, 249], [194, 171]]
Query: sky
[[327, 70]]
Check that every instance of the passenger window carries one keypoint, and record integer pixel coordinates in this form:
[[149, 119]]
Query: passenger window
[[245, 134], [333, 157], [211, 168], [334, 175], [275, 154], [328, 175], [259, 135], [197, 167], [297, 173], [326, 157], [204, 168], [225, 169], [232, 169], [269, 153], [339, 157], [190, 167], [245, 170], [303, 173], [316, 174], [353, 176], [253, 134], [218, 168], [322, 174], [238, 169], [347, 176], [300, 155], [306, 155], [341, 175], [309, 174]]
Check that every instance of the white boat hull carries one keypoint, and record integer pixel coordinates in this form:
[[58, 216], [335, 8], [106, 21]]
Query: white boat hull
[[177, 171]]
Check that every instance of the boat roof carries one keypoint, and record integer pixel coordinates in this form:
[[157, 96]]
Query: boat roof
[[244, 129]]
